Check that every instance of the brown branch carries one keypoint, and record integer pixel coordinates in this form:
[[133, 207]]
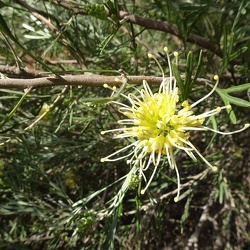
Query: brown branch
[[168, 28], [70, 6], [16, 72], [149, 24], [77, 80]]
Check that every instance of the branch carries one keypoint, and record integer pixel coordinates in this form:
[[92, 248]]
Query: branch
[[70, 6], [168, 28], [19, 72], [79, 80], [149, 24], [205, 216], [41, 15], [75, 80]]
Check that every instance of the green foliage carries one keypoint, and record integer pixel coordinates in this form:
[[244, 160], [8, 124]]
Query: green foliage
[[54, 191], [190, 77]]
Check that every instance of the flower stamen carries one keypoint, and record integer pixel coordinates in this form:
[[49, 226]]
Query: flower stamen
[[158, 124]]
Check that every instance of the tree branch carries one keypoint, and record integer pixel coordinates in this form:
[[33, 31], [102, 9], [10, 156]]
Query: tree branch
[[16, 72], [75, 80], [79, 80], [150, 24], [168, 28]]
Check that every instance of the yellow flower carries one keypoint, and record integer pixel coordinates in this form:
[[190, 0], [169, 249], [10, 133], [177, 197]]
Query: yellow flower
[[158, 124]]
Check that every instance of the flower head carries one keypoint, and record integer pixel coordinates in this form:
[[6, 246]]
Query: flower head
[[159, 124]]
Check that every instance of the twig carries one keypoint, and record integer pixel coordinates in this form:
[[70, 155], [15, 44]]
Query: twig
[[141, 42], [54, 62], [40, 15], [193, 239], [23, 72], [171, 193], [70, 6]]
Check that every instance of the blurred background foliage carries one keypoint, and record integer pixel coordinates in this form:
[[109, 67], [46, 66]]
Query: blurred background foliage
[[54, 190]]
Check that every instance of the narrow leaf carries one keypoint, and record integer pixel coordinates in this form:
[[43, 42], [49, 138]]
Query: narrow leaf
[[238, 88], [178, 78], [237, 53]]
